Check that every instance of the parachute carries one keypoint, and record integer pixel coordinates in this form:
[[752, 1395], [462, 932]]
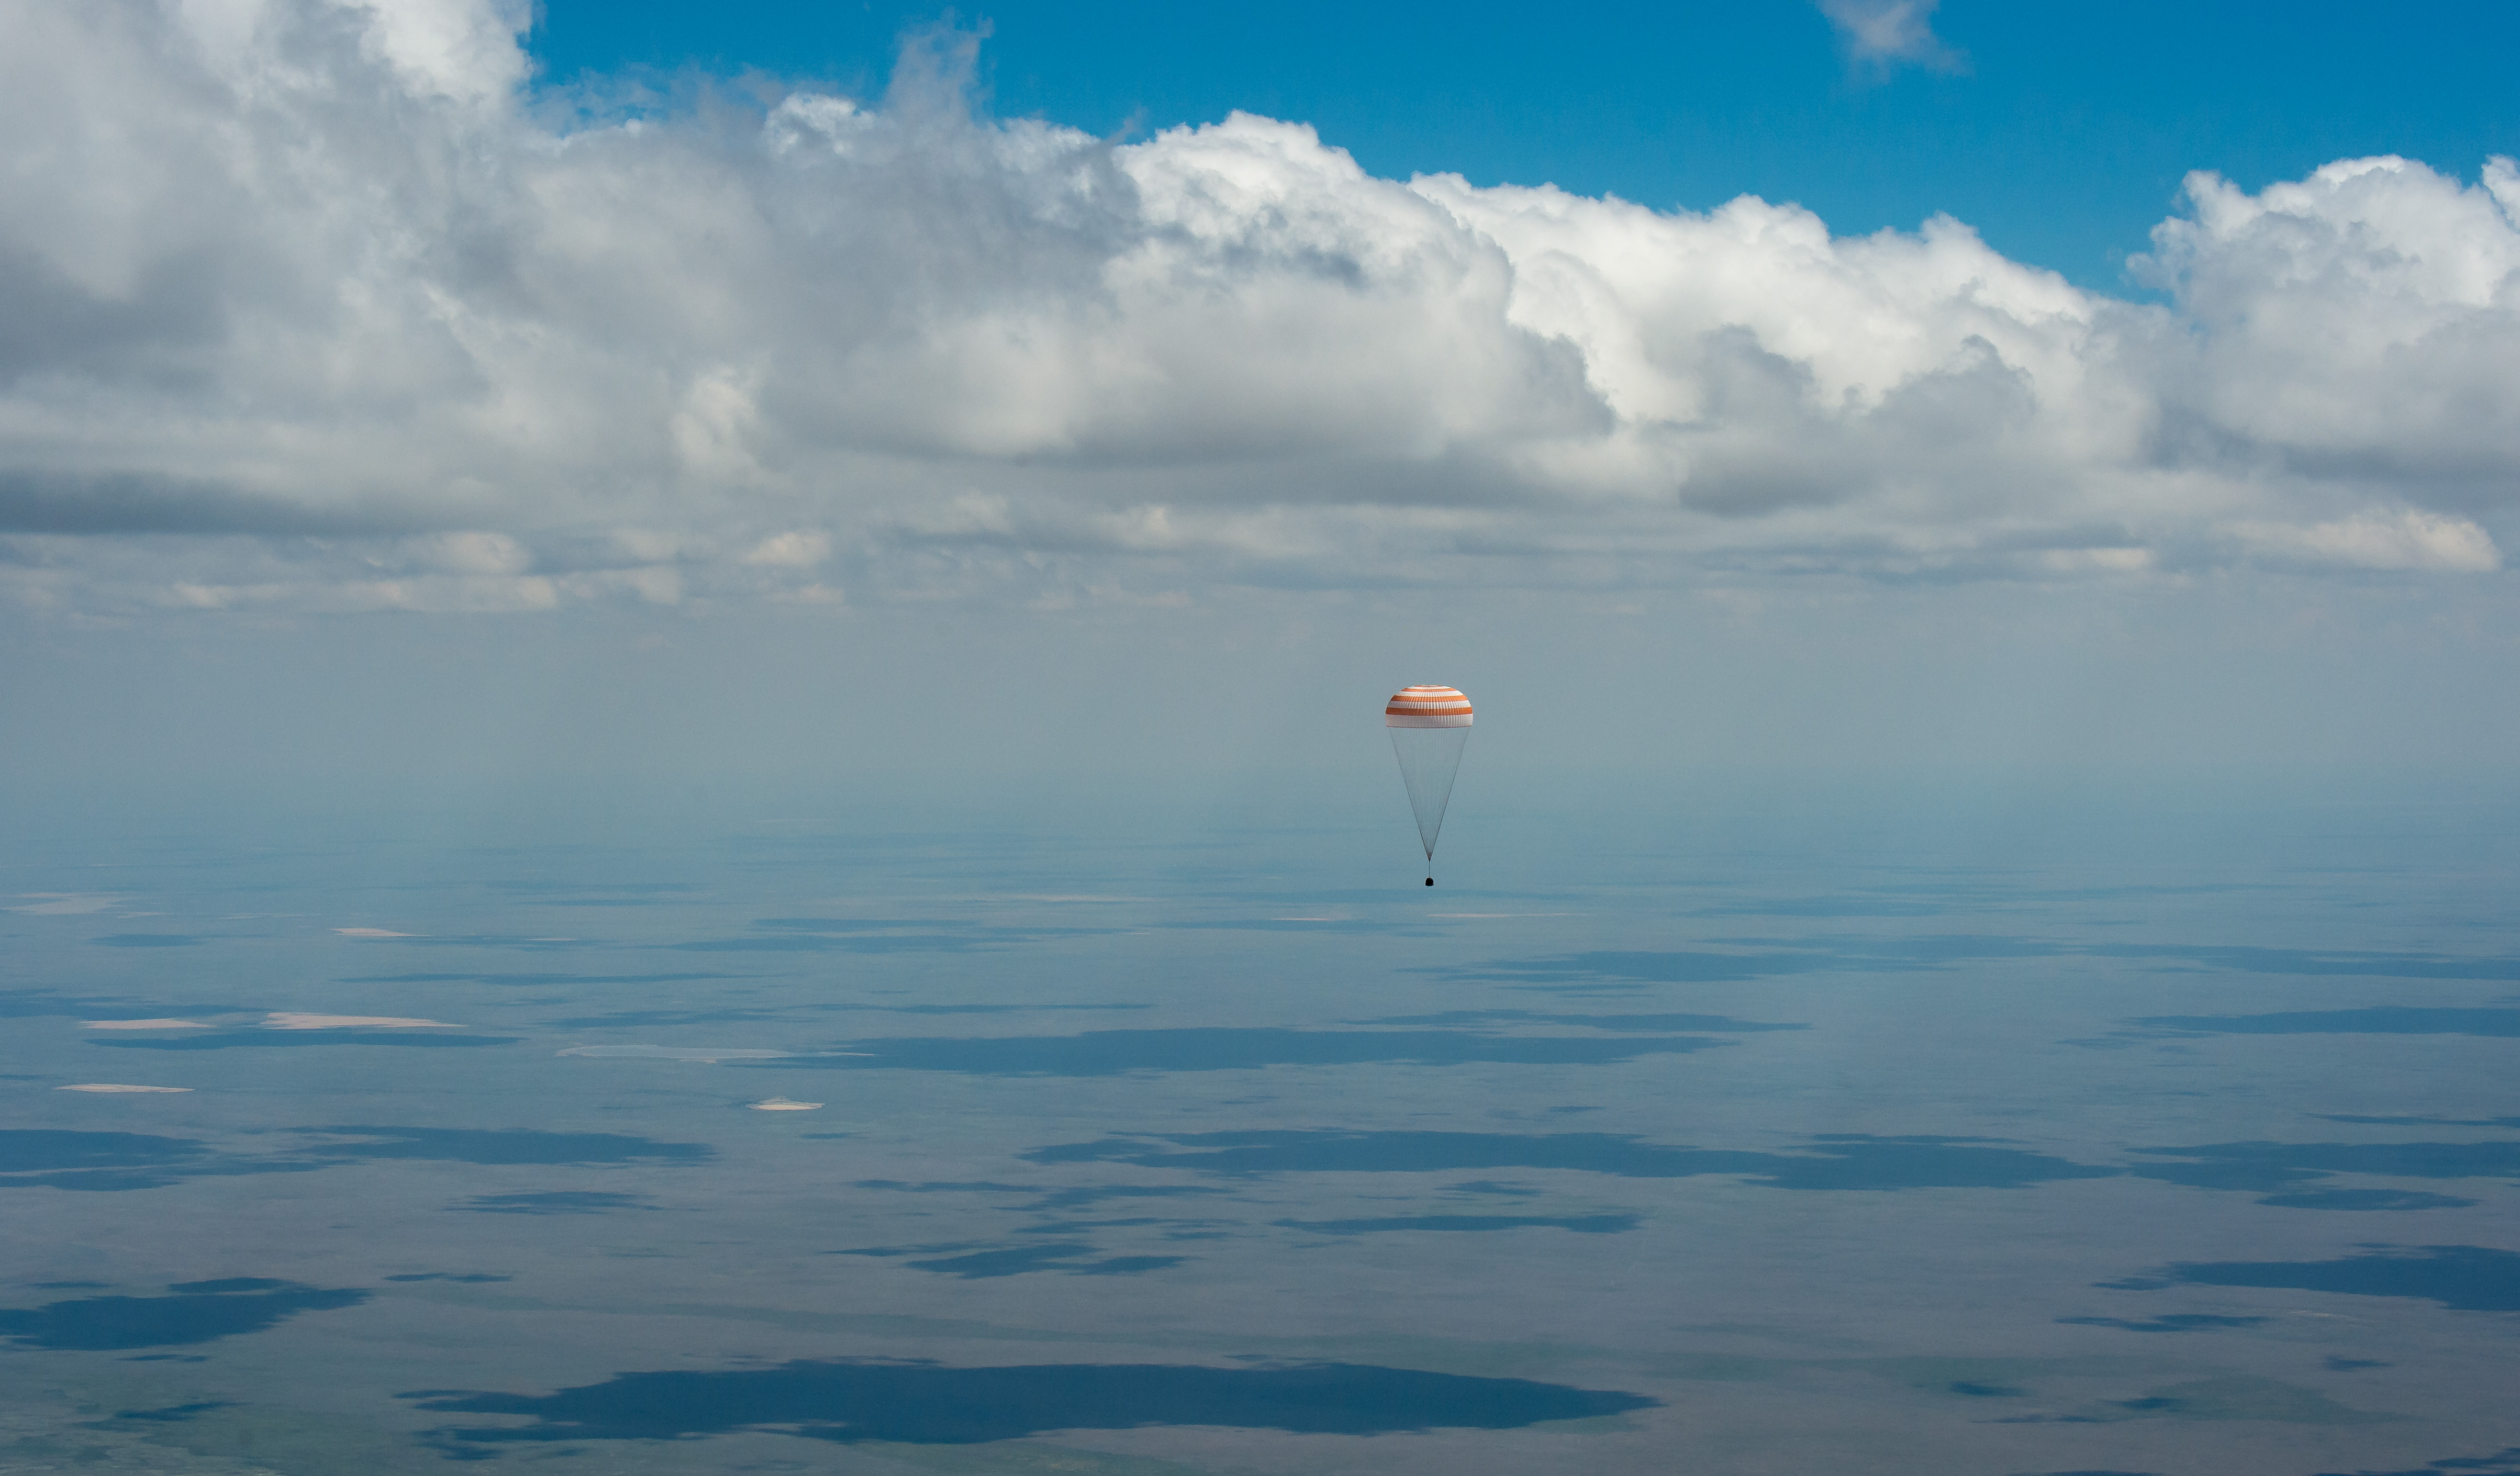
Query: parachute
[[1430, 727]]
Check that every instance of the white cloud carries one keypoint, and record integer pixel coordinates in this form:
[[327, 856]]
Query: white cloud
[[60, 904], [1882, 33], [2405, 540], [110, 1088], [802, 549], [2348, 326], [306, 294], [470, 554]]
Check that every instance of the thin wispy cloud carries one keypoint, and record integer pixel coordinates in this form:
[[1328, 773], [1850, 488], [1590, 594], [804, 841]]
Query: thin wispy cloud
[[318, 310], [1880, 35]]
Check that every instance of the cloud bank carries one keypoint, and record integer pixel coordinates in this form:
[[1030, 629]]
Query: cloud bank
[[315, 305]]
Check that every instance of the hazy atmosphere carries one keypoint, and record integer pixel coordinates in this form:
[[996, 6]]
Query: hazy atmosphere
[[692, 700]]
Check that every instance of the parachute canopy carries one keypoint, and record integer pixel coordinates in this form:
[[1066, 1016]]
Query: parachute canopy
[[1430, 727], [1427, 707]]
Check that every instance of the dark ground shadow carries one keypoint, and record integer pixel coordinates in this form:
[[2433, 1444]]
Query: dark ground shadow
[[63, 1158], [552, 1202], [2375, 1019], [198, 1312], [1778, 956], [30, 1149], [2461, 1278], [1581, 1225], [2300, 1175], [985, 1260], [2503, 1462], [2181, 1322], [925, 1404], [1632, 1023]]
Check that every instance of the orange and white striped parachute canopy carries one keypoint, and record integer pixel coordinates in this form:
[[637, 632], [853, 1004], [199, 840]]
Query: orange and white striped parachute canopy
[[1428, 707]]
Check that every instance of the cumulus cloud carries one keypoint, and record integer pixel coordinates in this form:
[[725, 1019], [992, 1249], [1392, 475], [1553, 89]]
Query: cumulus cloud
[[310, 304]]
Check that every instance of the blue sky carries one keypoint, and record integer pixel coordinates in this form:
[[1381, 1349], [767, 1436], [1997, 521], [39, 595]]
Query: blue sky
[[2061, 133]]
